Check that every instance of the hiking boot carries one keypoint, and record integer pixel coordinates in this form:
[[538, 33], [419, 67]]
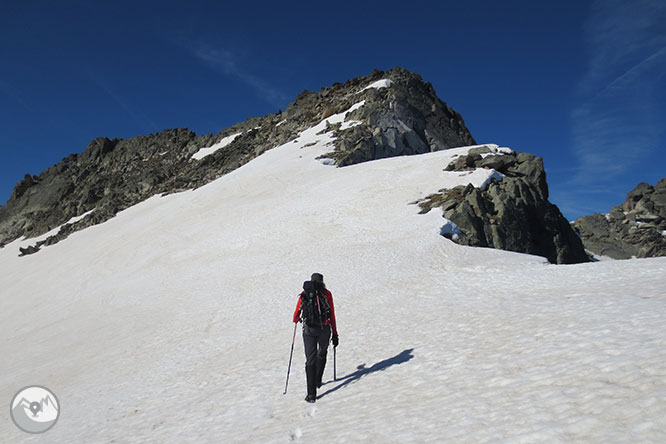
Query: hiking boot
[[311, 398]]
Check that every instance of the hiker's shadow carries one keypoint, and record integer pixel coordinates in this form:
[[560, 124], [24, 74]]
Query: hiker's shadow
[[401, 357]]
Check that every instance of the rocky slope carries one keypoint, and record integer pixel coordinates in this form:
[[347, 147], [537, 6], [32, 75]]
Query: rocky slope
[[636, 228], [401, 115], [113, 174]]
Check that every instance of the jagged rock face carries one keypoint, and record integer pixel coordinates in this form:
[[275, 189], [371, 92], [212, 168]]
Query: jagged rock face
[[400, 121], [109, 175], [512, 214], [113, 174], [637, 228]]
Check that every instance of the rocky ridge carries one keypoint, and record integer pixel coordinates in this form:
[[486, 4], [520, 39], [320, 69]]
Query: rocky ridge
[[401, 115], [636, 228], [511, 212]]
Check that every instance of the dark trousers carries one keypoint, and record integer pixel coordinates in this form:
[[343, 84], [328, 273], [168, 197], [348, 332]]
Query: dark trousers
[[315, 340]]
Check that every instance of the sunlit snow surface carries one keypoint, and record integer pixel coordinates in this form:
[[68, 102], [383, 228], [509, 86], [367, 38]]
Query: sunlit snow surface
[[384, 83], [203, 152], [171, 322]]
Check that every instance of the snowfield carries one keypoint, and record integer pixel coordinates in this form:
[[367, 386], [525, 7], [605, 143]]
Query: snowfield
[[171, 322]]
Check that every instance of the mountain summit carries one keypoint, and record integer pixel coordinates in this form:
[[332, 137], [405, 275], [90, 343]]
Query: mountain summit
[[113, 174], [386, 114]]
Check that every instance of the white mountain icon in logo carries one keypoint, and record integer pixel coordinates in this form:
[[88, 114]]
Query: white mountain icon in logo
[[35, 409]]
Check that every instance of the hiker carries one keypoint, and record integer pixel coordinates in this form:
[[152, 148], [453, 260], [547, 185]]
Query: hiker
[[315, 309]]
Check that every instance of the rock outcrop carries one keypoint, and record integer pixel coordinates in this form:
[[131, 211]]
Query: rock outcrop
[[636, 228], [401, 115], [400, 121], [511, 212]]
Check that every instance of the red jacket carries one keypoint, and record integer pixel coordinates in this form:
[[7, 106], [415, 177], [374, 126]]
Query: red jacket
[[331, 321]]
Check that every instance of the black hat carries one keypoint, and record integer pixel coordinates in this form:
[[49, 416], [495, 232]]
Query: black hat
[[317, 277]]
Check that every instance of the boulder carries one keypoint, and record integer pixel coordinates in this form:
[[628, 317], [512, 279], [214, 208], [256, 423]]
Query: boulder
[[30, 250], [496, 162], [512, 214]]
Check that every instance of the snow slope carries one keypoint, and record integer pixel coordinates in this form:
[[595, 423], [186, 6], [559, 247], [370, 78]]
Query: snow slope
[[172, 321]]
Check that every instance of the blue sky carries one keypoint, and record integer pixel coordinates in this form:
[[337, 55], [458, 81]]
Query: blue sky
[[581, 83]]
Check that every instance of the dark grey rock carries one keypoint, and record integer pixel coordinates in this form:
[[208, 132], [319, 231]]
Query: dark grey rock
[[497, 162], [479, 150], [30, 250], [23, 186], [461, 163], [513, 214], [405, 118], [633, 229]]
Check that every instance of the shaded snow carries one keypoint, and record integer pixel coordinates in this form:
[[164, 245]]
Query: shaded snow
[[450, 229], [493, 175], [171, 322], [598, 257]]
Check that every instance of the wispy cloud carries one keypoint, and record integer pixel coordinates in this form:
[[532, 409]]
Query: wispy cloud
[[12, 92], [616, 121], [142, 120], [226, 62]]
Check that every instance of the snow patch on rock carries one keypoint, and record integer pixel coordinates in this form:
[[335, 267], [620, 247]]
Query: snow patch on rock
[[492, 176], [384, 83], [203, 152]]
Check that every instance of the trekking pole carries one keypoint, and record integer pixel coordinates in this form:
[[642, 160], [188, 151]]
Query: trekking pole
[[290, 355], [334, 376]]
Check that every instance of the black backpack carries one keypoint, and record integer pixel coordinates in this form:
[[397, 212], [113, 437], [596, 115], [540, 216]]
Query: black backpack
[[314, 307]]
